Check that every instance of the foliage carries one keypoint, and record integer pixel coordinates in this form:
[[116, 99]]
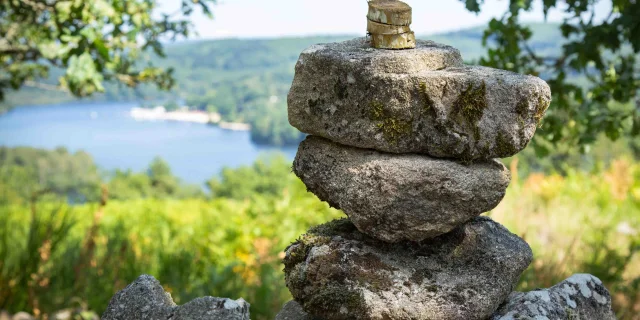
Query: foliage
[[222, 247], [54, 254], [27, 171], [172, 105], [93, 41], [267, 176], [565, 159], [243, 80], [603, 52], [74, 177], [581, 222]]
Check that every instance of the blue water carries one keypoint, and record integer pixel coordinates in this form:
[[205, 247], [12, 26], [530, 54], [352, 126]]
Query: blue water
[[195, 152]]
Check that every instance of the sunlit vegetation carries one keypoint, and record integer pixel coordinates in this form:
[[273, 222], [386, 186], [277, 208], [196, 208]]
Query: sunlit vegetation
[[228, 240]]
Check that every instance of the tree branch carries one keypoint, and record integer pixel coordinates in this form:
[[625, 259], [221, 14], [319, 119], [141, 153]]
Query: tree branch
[[44, 86], [18, 50], [38, 5]]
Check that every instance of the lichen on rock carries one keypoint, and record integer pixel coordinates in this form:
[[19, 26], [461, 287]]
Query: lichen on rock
[[391, 127], [146, 299], [580, 297]]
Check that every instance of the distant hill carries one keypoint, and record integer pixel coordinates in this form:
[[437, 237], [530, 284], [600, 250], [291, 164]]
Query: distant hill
[[546, 39], [247, 80]]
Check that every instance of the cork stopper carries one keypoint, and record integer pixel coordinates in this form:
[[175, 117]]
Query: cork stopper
[[388, 24]]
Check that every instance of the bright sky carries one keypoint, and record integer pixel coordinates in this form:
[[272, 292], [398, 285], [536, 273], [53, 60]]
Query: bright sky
[[275, 18]]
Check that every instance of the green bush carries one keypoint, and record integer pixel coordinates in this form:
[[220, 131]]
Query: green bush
[[580, 222], [223, 247]]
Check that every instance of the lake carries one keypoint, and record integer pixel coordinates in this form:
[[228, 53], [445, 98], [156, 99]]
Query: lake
[[195, 152]]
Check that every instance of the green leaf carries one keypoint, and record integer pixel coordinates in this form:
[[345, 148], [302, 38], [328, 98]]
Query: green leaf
[[473, 5], [101, 48]]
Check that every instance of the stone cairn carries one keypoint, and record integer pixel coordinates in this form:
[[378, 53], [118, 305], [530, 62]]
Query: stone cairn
[[405, 142]]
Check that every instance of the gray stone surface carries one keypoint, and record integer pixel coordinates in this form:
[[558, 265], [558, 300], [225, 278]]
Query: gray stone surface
[[580, 297], [293, 311], [394, 197], [337, 273], [420, 100], [145, 299], [358, 55]]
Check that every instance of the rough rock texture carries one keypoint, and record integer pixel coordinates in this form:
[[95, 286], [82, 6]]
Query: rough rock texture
[[394, 197], [293, 311], [580, 297], [145, 299], [358, 58], [336, 273], [419, 100]]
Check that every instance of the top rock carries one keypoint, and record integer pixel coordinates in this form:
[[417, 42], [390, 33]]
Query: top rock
[[422, 100], [357, 54]]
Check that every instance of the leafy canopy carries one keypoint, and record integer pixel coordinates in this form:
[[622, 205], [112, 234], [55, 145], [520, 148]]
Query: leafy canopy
[[594, 77], [95, 41]]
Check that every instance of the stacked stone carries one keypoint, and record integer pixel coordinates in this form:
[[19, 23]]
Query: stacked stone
[[388, 25], [405, 142]]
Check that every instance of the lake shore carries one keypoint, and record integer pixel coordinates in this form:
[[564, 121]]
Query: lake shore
[[115, 140], [160, 114]]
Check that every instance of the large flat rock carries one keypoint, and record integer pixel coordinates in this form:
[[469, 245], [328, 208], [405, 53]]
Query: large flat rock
[[582, 296], [146, 299], [421, 100], [394, 197], [335, 272]]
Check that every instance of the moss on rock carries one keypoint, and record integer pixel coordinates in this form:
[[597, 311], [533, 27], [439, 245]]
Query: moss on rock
[[522, 108], [392, 128], [471, 103], [298, 251], [331, 299], [429, 104], [504, 145], [469, 107], [333, 228], [541, 108]]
